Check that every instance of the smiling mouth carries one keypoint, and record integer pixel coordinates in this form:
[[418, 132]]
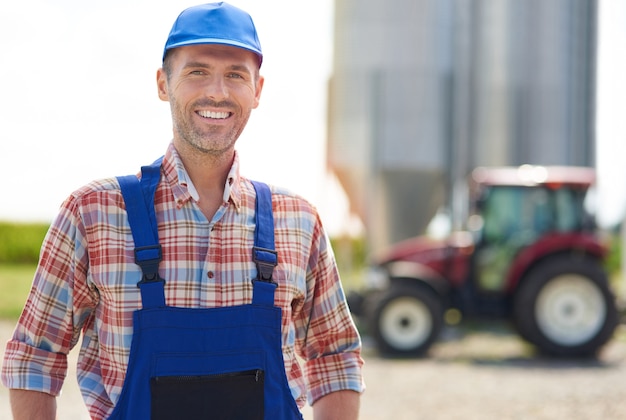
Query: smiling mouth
[[214, 115]]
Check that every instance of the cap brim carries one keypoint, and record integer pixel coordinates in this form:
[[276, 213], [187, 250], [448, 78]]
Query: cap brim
[[214, 41]]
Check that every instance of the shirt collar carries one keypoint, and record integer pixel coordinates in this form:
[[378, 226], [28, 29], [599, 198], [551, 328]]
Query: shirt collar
[[183, 187]]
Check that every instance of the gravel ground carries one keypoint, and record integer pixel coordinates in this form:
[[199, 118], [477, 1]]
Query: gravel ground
[[483, 373]]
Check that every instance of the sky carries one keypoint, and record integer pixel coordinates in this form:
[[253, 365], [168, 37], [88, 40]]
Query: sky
[[79, 100]]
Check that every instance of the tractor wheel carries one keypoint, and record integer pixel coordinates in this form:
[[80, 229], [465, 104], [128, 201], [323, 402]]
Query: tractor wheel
[[406, 320], [565, 307]]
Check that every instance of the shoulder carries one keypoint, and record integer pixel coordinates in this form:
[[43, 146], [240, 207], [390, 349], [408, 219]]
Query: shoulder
[[96, 186], [285, 200], [296, 219], [99, 187], [101, 195]]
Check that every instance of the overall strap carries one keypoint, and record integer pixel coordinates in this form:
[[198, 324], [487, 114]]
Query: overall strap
[[139, 199], [264, 253]]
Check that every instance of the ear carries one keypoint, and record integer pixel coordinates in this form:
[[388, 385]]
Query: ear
[[259, 88], [162, 85]]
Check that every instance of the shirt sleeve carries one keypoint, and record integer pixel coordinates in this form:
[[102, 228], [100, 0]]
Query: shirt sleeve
[[332, 346], [56, 308]]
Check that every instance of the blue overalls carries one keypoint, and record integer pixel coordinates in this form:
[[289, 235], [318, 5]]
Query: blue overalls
[[206, 363]]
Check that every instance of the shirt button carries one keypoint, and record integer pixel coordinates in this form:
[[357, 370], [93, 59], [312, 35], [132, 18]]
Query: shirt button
[[210, 274]]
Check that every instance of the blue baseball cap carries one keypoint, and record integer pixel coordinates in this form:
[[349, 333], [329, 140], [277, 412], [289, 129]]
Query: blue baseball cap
[[214, 23]]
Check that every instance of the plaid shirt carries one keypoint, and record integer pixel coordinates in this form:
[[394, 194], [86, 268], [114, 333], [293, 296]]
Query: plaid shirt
[[86, 282]]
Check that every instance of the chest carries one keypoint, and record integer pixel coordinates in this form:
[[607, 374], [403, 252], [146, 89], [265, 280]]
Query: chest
[[203, 265]]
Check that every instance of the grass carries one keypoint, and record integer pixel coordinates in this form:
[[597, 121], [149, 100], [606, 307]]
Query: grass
[[15, 281]]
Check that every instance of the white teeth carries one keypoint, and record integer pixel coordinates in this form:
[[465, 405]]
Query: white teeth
[[216, 115]]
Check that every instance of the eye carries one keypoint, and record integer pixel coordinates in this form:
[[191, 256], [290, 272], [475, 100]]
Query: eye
[[235, 76]]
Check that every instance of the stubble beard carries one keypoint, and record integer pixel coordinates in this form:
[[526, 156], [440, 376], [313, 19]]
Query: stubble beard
[[210, 140]]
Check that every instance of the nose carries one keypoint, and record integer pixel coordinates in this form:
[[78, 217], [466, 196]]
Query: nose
[[216, 88]]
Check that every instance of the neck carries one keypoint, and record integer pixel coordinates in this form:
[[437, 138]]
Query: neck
[[208, 174]]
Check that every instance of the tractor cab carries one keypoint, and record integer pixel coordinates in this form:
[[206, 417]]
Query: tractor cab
[[528, 211]]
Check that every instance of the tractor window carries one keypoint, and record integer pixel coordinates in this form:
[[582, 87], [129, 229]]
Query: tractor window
[[569, 205], [513, 217], [529, 212], [515, 212]]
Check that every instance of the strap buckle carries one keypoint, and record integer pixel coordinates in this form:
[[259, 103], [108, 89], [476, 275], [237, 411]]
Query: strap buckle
[[148, 258], [266, 260]]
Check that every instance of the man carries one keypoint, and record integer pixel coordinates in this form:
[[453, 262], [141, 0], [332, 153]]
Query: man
[[205, 304]]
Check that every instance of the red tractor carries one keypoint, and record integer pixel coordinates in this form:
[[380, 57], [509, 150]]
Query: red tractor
[[530, 254]]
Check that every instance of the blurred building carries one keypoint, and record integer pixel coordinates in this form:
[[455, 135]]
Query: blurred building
[[423, 91]]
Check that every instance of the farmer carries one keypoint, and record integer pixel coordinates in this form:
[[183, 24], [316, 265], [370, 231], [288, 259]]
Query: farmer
[[195, 290]]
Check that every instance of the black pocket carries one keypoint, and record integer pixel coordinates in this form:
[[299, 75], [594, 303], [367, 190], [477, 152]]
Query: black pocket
[[233, 395]]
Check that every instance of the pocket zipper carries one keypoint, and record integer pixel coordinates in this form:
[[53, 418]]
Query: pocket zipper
[[256, 373]]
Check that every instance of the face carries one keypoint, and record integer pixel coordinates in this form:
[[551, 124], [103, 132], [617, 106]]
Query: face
[[212, 89]]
